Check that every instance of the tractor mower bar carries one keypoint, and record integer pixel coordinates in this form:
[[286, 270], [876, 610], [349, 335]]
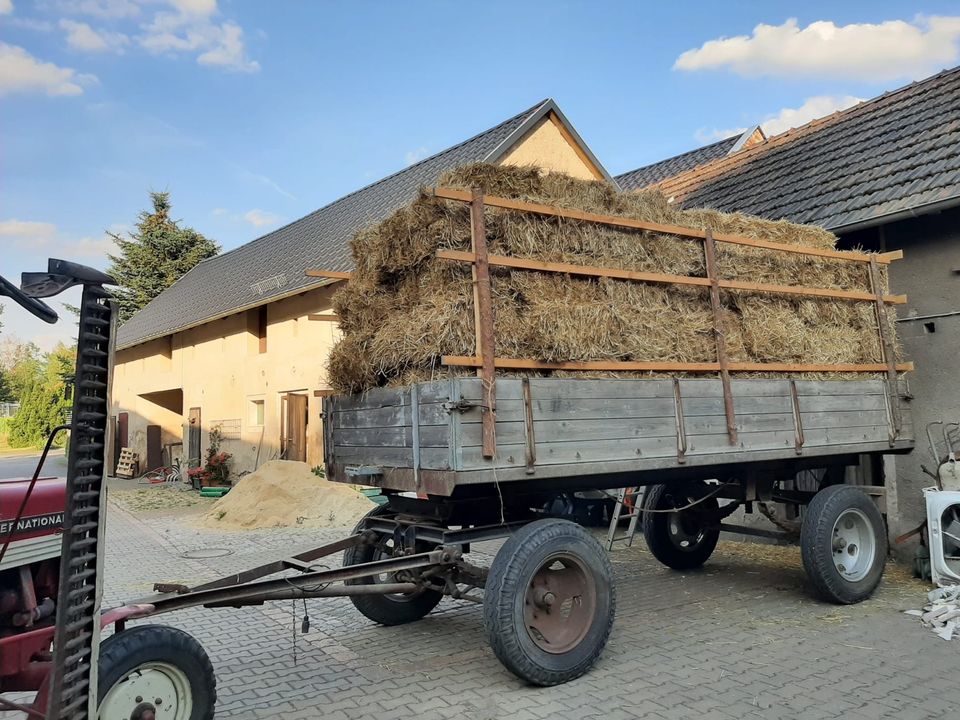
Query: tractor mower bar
[[310, 584]]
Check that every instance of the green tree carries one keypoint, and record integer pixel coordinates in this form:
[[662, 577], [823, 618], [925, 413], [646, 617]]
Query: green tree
[[157, 254], [21, 364], [6, 394], [43, 403]]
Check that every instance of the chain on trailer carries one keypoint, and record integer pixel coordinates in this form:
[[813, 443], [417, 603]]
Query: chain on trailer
[[73, 684]]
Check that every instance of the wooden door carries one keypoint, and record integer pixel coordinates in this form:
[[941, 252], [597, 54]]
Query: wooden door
[[293, 440], [154, 450], [193, 438]]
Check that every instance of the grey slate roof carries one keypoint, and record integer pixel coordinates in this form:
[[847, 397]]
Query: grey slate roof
[[894, 154], [273, 266], [655, 172]]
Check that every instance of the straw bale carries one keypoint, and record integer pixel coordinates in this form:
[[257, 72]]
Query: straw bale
[[404, 308]]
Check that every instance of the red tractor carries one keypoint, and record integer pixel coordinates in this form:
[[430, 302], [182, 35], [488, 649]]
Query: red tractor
[[49, 577]]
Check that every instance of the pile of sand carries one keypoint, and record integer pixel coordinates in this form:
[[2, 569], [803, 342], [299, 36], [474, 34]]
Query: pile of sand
[[404, 309], [286, 494]]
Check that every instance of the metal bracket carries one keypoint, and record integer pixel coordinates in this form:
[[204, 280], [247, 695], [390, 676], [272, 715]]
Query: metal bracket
[[797, 419], [460, 406], [681, 430]]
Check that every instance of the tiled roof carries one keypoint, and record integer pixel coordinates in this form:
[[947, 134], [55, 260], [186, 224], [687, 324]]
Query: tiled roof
[[273, 266], [892, 154], [654, 173]]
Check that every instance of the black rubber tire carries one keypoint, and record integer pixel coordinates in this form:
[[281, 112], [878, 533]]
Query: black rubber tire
[[816, 544], [386, 609], [657, 531], [513, 567], [124, 651]]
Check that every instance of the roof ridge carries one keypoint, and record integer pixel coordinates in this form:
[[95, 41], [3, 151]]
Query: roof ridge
[[718, 165]]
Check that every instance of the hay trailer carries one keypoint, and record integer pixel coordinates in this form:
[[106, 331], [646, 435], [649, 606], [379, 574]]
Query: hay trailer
[[470, 458]]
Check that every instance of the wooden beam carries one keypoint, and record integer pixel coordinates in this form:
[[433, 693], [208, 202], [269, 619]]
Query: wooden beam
[[332, 274], [640, 276], [811, 291], [571, 269], [483, 312], [327, 318], [710, 260], [665, 366], [570, 214]]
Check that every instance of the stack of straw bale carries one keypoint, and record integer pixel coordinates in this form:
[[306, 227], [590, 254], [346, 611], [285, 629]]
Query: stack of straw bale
[[404, 308]]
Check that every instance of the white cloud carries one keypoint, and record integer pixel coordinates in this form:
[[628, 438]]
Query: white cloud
[[812, 108], [88, 247], [261, 218], [111, 9], [202, 8], [29, 24], [256, 217], [81, 36], [191, 29], [22, 72], [27, 233], [711, 135], [413, 156], [229, 51], [6, 7], [873, 52], [45, 238]]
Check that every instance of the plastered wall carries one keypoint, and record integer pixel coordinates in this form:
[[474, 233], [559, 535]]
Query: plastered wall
[[219, 368]]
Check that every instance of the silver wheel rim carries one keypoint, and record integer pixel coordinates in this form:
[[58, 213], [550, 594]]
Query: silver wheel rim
[[854, 546], [685, 530], [157, 687]]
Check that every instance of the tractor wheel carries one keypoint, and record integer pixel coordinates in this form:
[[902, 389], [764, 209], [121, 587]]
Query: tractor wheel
[[549, 602], [154, 671], [396, 609]]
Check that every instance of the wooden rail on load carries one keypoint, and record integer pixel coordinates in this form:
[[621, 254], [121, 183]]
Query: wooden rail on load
[[487, 362]]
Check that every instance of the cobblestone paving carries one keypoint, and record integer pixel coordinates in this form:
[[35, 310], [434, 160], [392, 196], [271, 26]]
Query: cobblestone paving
[[740, 639]]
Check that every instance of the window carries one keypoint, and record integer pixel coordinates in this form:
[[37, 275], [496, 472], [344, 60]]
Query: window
[[256, 412]]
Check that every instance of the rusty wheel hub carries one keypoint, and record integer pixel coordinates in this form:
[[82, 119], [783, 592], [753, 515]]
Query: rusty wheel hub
[[560, 603]]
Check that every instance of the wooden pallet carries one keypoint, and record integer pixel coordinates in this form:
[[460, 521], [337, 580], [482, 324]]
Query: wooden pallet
[[129, 464]]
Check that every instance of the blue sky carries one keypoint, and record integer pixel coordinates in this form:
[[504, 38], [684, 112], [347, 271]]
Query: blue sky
[[253, 114]]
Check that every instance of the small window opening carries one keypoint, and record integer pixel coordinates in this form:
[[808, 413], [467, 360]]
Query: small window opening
[[256, 412], [929, 327], [262, 327]]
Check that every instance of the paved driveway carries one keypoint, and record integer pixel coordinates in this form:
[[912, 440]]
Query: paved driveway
[[740, 639]]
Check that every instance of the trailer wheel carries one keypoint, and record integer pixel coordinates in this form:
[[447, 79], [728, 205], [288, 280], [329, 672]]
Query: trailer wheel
[[549, 602], [685, 539], [396, 609], [843, 544], [155, 671]]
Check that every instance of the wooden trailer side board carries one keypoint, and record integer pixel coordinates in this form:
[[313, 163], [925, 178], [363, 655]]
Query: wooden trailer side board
[[564, 426]]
